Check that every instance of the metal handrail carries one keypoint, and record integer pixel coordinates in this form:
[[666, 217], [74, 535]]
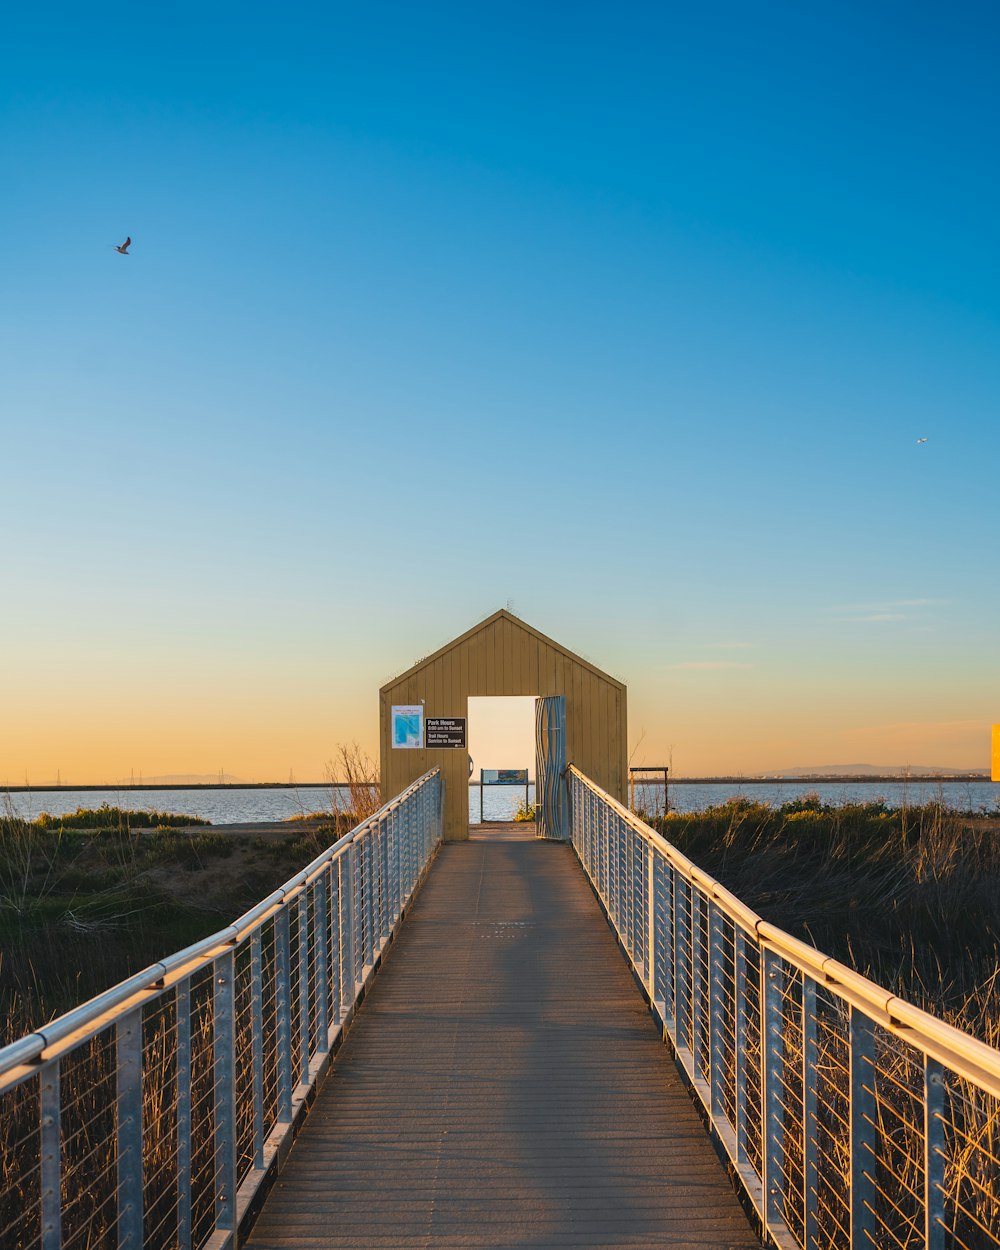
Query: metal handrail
[[152, 1115], [852, 1117]]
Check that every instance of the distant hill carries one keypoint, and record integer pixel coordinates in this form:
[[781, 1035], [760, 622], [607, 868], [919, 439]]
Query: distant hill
[[881, 770]]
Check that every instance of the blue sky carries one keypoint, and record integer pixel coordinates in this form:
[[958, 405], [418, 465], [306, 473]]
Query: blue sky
[[630, 317]]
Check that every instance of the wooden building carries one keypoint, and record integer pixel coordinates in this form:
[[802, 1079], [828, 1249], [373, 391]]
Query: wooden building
[[504, 656]]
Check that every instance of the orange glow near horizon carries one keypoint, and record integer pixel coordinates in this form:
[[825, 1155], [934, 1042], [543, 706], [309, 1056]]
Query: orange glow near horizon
[[268, 713]]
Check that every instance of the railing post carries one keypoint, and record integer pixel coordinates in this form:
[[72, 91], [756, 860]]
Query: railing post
[[771, 1047], [224, 1034], [934, 1228], [128, 1114], [810, 1107], [182, 1000], [283, 1008], [862, 1119], [50, 1113], [257, 1046]]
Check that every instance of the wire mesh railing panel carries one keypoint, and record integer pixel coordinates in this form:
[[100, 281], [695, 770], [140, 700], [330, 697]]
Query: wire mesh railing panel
[[853, 1119], [784, 1095], [896, 1150], [203, 1101], [159, 1122], [269, 1023], [700, 985], [683, 978], [749, 974], [970, 1162], [89, 1162], [21, 1164], [249, 1069], [727, 1057], [833, 1120], [133, 1120]]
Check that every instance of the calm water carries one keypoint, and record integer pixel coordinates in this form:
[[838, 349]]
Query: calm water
[[974, 796], [238, 806]]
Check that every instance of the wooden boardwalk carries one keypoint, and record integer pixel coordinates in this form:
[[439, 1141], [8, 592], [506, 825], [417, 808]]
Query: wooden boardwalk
[[503, 1086]]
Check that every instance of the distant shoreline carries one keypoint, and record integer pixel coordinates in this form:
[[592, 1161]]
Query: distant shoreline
[[731, 780]]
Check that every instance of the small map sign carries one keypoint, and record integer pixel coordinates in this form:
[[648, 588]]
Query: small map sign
[[504, 777], [445, 731], [408, 727]]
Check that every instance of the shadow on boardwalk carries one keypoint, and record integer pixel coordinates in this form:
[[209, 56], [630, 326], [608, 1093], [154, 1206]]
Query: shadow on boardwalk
[[504, 1085]]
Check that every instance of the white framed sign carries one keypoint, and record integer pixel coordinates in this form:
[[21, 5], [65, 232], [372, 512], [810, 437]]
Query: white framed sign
[[408, 727]]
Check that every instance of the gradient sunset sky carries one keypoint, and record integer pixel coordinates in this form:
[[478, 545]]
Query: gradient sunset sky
[[628, 315]]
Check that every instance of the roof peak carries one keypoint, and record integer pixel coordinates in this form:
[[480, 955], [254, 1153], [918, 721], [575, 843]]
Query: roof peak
[[507, 614]]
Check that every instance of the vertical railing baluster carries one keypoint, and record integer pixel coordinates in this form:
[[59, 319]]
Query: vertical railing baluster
[[934, 1158], [336, 937], [739, 1057], [257, 1045], [698, 988], [383, 879], [224, 1035], [810, 1110], [668, 975], [321, 912], [639, 926], [283, 1008], [677, 938], [716, 1012], [394, 864], [305, 1014], [771, 1054], [651, 956], [50, 1116], [862, 1120], [182, 1000], [128, 1116], [348, 983], [367, 901], [358, 911]]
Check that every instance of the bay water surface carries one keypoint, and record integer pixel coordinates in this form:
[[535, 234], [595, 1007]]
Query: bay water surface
[[236, 805]]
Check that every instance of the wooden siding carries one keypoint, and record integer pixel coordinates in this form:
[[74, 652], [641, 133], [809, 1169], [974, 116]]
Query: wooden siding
[[504, 656]]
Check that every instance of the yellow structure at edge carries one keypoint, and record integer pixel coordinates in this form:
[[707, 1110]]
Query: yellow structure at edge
[[996, 753]]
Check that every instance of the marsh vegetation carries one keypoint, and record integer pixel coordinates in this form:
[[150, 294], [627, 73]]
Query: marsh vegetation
[[88, 899], [908, 896]]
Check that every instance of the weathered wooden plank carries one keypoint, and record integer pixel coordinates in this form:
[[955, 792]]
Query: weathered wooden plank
[[503, 1085]]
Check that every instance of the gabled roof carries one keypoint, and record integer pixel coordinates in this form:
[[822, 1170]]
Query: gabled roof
[[503, 614]]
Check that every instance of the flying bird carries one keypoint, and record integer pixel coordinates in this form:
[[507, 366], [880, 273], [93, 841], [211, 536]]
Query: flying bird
[[921, 440], [125, 246]]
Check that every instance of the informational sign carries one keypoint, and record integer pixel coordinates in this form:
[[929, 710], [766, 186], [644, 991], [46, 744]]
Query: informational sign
[[504, 776], [408, 727], [445, 731]]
